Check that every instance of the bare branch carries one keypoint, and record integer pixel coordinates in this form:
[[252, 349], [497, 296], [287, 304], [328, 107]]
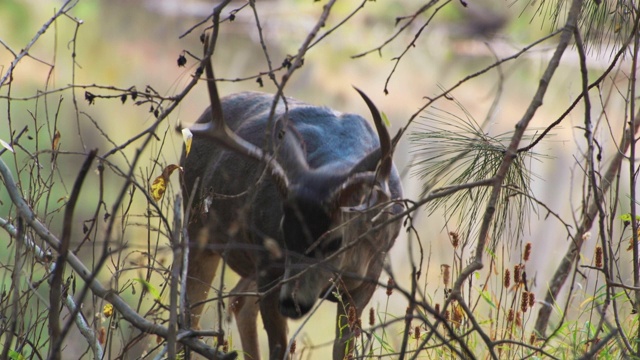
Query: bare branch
[[111, 296], [68, 5], [56, 282], [510, 154], [44, 257]]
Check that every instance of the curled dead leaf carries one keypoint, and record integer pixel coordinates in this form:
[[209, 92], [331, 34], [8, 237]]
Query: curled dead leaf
[[159, 185], [107, 310], [55, 144]]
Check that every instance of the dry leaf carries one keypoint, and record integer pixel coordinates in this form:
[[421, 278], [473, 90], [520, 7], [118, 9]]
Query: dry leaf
[[107, 310], [187, 136], [458, 315], [102, 335], [55, 145], [56, 141], [159, 185]]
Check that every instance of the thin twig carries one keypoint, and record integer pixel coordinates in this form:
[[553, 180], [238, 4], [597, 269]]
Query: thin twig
[[406, 25], [44, 257], [57, 337], [68, 5], [176, 270]]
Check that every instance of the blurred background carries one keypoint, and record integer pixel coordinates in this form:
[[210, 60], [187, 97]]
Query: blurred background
[[125, 43]]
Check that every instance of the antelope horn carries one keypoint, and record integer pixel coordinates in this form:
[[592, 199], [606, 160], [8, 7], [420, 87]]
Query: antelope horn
[[383, 135], [218, 131]]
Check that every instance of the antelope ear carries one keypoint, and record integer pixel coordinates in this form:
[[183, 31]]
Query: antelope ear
[[357, 188], [368, 163], [371, 201]]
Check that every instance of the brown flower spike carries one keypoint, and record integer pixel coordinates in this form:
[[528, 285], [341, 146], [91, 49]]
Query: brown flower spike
[[527, 252], [507, 278]]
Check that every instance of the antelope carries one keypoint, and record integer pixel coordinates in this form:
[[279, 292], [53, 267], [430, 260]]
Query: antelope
[[289, 202]]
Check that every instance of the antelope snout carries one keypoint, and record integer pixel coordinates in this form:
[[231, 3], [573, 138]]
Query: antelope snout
[[292, 307], [298, 296]]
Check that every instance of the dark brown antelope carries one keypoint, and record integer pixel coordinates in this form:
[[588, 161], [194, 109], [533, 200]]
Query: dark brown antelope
[[295, 222]]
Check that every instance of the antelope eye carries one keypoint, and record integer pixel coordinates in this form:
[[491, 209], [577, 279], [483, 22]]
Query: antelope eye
[[332, 245]]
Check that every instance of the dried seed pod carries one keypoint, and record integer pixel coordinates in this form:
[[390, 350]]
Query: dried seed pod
[[351, 315], [445, 271], [390, 286], [598, 256], [527, 252], [516, 274], [524, 302], [507, 278], [372, 317], [532, 299], [455, 239]]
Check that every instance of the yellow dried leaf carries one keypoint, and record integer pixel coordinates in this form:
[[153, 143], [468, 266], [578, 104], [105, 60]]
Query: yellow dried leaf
[[158, 188], [55, 145], [107, 310], [187, 136], [458, 315], [159, 185], [56, 141]]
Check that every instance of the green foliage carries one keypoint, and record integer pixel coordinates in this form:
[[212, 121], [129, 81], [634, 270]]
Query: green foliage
[[150, 288], [627, 217], [605, 23], [13, 355], [453, 150]]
